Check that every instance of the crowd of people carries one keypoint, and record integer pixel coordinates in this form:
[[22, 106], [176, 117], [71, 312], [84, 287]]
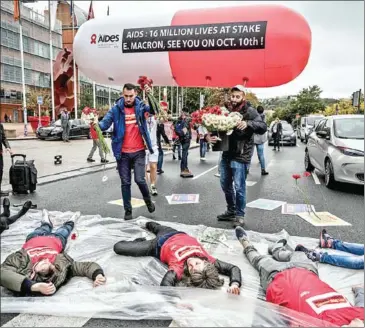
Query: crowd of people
[[288, 276]]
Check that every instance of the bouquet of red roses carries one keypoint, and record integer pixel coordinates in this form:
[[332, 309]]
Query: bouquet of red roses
[[160, 113]]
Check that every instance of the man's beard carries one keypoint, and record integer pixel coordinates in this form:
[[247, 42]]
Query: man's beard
[[235, 105], [128, 105]]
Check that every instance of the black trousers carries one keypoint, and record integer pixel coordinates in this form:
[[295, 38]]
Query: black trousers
[[1, 169], [141, 247], [277, 139]]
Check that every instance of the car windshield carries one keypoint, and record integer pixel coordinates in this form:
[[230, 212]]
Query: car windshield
[[57, 123], [312, 119], [349, 128], [287, 127]]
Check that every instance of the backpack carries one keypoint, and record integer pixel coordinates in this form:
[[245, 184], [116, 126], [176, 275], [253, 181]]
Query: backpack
[[179, 126]]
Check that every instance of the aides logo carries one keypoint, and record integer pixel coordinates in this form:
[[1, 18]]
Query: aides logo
[[105, 40]]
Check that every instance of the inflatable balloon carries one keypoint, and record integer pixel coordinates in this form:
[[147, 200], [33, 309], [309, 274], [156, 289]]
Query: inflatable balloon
[[262, 45]]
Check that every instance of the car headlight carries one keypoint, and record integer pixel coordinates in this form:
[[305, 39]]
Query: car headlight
[[350, 152]]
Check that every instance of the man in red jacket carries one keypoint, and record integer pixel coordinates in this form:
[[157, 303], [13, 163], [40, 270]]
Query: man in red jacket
[[295, 284], [96, 144]]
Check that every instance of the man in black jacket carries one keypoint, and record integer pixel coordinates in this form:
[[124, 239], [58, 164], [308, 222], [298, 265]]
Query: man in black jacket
[[235, 161], [5, 142]]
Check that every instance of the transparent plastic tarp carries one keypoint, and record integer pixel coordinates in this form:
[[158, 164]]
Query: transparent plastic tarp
[[132, 291]]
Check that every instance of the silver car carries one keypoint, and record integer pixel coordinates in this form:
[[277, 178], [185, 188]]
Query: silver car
[[336, 148]]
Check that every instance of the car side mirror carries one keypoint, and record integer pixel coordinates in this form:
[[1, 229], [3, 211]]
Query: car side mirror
[[323, 134]]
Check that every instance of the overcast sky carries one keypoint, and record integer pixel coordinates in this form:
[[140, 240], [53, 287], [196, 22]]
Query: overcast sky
[[336, 63]]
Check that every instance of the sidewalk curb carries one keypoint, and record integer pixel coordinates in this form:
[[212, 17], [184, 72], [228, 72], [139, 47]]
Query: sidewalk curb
[[22, 138], [65, 175]]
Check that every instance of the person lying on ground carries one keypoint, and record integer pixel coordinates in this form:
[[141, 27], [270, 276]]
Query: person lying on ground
[[189, 264], [41, 267], [290, 279], [344, 261], [6, 219]]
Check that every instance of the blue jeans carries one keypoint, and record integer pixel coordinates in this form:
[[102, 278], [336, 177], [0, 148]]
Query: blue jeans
[[203, 148], [184, 158], [137, 161], [160, 159], [260, 155], [344, 261], [45, 230], [233, 172]]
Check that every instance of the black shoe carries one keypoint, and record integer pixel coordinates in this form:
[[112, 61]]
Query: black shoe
[[274, 149], [160, 171], [301, 248], [104, 161], [150, 206], [128, 215], [226, 216], [90, 160], [173, 158], [264, 172], [179, 158]]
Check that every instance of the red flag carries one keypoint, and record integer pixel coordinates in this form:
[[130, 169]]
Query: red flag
[[16, 10], [91, 11]]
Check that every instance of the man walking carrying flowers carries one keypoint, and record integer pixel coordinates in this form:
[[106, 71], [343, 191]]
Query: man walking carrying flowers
[[129, 140]]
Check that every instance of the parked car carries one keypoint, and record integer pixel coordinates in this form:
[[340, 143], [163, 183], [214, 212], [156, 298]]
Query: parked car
[[306, 126], [78, 129], [336, 148], [288, 137]]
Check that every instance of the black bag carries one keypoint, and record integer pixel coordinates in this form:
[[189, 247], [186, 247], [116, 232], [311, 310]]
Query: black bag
[[23, 175]]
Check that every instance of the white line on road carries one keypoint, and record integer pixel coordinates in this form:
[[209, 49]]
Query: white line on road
[[315, 177], [298, 145], [205, 172]]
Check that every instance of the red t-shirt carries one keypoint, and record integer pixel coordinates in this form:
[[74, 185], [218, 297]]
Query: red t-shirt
[[301, 290], [133, 140], [93, 133], [41, 248], [178, 248]]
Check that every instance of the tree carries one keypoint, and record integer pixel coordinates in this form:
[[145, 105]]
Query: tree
[[308, 101], [344, 106], [86, 100], [32, 100]]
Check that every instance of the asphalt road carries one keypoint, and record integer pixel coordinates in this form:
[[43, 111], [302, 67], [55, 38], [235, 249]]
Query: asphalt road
[[90, 195]]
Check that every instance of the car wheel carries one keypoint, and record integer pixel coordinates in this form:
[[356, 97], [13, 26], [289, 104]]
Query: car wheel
[[307, 162], [329, 177]]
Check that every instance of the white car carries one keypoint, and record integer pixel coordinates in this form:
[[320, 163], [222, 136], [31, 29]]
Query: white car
[[306, 127], [336, 148]]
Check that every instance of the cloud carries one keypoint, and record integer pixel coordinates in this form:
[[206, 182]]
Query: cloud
[[336, 63]]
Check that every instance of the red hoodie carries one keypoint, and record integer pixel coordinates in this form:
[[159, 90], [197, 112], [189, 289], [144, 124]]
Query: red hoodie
[[43, 247], [178, 248], [301, 290]]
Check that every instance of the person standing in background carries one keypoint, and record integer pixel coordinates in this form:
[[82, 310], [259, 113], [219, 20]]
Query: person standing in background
[[183, 130], [65, 123], [96, 145], [3, 142], [175, 143], [259, 141], [161, 134], [202, 133], [277, 130], [152, 159]]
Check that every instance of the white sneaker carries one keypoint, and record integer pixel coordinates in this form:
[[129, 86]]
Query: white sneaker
[[74, 217], [142, 223], [154, 190], [202, 159], [217, 175], [46, 218]]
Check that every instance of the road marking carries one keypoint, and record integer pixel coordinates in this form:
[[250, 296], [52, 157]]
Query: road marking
[[250, 183], [205, 172], [315, 177], [298, 145], [33, 320]]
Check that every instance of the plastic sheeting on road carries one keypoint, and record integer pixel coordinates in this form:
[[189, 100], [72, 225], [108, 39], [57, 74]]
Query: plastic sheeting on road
[[132, 291]]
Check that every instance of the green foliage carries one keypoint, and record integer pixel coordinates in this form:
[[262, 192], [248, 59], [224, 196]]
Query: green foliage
[[307, 101], [86, 100]]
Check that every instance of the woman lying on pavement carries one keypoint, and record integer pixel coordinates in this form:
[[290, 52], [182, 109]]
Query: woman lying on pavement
[[290, 279], [188, 262], [6, 219], [345, 261], [41, 267]]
